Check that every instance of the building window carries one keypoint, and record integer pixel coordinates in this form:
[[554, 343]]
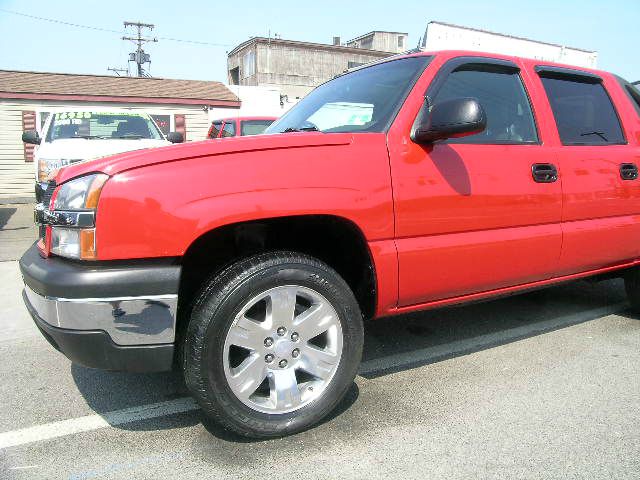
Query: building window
[[351, 65], [234, 76], [400, 41], [249, 64]]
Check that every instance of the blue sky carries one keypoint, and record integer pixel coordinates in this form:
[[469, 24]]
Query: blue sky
[[610, 27]]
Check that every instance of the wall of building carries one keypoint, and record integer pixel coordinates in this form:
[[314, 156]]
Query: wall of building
[[450, 37], [297, 70], [17, 176], [394, 42], [294, 68]]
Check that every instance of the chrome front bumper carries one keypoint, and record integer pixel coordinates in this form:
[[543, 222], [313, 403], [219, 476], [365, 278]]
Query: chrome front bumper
[[127, 320]]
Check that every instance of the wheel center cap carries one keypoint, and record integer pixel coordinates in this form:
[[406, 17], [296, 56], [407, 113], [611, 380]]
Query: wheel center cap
[[283, 348]]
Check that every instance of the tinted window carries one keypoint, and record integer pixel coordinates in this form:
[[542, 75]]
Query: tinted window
[[254, 127], [222, 128], [379, 89], [583, 111], [632, 91], [163, 122], [214, 131], [229, 129], [504, 100]]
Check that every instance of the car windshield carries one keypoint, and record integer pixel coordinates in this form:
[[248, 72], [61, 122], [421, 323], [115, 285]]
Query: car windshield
[[365, 100], [102, 125]]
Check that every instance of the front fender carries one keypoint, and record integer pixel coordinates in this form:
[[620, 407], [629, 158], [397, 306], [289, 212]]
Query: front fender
[[161, 209]]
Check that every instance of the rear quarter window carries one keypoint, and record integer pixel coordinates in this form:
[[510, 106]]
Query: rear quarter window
[[632, 91]]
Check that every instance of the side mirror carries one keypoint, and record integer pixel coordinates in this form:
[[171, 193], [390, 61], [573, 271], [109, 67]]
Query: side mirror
[[175, 137], [31, 136], [455, 118]]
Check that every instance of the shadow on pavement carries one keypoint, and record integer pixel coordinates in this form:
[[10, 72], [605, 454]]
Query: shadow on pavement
[[109, 391], [424, 338], [437, 335], [5, 215]]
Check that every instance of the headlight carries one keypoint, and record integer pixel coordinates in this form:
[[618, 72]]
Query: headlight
[[48, 167], [73, 218], [81, 193]]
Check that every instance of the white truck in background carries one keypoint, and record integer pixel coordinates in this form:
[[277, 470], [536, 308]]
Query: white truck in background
[[446, 36], [76, 135]]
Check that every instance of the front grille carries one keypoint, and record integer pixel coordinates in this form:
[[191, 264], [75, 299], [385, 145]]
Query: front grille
[[44, 192]]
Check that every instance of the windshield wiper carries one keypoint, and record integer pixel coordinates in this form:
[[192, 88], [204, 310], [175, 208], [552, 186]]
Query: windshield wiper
[[301, 129], [599, 134], [84, 137], [133, 136]]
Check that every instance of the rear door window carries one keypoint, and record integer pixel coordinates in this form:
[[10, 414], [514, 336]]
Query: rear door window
[[583, 111]]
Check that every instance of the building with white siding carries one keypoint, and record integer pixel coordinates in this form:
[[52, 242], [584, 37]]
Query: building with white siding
[[27, 97]]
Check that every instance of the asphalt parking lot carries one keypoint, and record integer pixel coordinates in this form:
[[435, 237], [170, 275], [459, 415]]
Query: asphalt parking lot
[[541, 385]]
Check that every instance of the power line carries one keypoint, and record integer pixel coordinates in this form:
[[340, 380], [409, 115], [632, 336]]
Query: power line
[[100, 29]]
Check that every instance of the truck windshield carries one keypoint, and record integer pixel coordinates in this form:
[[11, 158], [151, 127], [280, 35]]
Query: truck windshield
[[102, 125], [365, 100]]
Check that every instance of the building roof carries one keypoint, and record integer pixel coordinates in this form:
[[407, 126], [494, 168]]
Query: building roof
[[374, 32], [500, 35], [61, 86], [309, 45]]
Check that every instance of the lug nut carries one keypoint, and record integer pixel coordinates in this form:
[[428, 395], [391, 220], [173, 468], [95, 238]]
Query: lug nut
[[268, 342], [295, 353], [295, 336], [268, 358], [283, 363], [281, 331]]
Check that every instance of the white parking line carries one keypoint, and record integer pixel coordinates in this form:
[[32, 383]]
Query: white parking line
[[95, 422], [118, 417]]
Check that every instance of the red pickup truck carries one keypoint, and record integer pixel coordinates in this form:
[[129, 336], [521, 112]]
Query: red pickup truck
[[420, 181]]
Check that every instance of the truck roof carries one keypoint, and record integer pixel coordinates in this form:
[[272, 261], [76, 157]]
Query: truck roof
[[517, 59]]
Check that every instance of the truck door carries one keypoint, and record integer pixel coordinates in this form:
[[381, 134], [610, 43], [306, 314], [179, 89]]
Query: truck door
[[599, 170], [482, 212]]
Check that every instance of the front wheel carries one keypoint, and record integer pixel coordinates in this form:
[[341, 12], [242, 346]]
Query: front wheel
[[273, 344]]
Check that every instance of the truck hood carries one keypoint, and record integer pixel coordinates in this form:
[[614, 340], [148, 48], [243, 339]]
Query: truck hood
[[86, 149], [256, 143]]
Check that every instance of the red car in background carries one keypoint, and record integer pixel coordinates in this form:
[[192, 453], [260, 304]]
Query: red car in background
[[239, 126]]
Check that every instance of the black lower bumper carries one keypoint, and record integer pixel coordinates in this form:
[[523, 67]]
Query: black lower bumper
[[108, 315], [95, 349]]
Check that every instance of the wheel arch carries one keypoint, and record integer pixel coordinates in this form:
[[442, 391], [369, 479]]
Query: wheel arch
[[335, 240]]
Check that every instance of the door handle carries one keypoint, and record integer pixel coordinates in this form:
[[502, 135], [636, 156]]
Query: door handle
[[544, 172], [628, 171]]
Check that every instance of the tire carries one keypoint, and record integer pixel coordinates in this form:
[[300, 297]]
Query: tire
[[632, 287], [227, 346]]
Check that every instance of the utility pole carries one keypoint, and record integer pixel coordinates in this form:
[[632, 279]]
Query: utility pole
[[139, 56]]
